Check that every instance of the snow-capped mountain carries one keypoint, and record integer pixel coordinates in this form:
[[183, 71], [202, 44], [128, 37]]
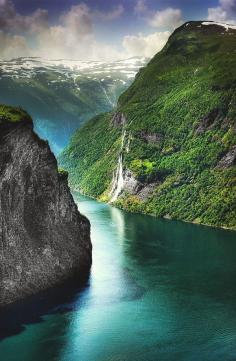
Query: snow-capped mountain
[[62, 94], [30, 67]]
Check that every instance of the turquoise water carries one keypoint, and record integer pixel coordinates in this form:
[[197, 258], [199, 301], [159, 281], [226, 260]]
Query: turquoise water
[[159, 290]]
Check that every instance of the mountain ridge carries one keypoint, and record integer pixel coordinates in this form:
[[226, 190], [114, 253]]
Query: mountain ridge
[[174, 131], [61, 95]]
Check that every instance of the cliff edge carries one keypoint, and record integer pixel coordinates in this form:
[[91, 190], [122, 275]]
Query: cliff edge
[[43, 238]]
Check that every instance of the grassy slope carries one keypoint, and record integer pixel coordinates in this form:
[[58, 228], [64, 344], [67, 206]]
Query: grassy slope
[[191, 77], [10, 114]]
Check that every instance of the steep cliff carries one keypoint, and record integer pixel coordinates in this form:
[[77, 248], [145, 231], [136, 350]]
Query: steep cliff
[[173, 135], [43, 237]]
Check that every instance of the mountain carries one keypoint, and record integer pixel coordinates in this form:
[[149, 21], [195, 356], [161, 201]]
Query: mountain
[[62, 94], [169, 149], [44, 239]]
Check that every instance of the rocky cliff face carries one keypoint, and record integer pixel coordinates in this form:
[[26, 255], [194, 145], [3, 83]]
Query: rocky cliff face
[[43, 238]]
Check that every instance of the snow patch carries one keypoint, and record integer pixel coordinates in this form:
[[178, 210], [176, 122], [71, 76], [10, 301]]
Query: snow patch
[[226, 26], [27, 67]]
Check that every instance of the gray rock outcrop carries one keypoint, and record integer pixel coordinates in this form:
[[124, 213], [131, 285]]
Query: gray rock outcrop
[[134, 186], [229, 159], [44, 240], [151, 138], [118, 119]]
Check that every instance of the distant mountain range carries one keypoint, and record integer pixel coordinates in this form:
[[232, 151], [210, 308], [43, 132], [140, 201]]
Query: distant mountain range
[[62, 94]]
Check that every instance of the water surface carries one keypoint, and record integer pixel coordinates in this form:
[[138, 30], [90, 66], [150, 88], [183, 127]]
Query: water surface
[[159, 290]]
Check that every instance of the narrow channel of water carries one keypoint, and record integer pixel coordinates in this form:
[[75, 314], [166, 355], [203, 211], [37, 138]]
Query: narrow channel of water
[[159, 290]]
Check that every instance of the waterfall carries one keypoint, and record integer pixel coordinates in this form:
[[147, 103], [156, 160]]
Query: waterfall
[[106, 95], [118, 179], [128, 143]]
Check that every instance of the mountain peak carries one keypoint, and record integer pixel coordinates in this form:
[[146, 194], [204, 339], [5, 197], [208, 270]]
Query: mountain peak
[[195, 38], [206, 26]]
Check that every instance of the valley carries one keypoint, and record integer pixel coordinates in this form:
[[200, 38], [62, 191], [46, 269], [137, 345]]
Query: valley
[[61, 95], [124, 267]]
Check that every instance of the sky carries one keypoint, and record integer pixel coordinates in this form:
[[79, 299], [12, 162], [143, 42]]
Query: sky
[[102, 30]]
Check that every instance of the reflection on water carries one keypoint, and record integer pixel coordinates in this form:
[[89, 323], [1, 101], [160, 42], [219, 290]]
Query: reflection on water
[[159, 290]]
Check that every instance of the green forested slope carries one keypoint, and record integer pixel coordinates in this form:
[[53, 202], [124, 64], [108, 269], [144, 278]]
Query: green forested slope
[[178, 121]]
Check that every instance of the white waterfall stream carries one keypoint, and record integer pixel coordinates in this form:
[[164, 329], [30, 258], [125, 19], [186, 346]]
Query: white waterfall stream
[[106, 95], [118, 179], [128, 143]]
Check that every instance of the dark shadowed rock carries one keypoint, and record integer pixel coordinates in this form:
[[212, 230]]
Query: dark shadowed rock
[[211, 120], [151, 138], [118, 119], [229, 159], [44, 239]]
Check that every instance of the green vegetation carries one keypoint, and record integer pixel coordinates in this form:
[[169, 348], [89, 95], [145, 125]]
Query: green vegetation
[[184, 102], [142, 167], [63, 172], [92, 171], [12, 114]]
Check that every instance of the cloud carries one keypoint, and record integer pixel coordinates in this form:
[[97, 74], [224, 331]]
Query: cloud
[[13, 46], [78, 20], [72, 36], [68, 43], [217, 14], [167, 18], [11, 21], [224, 12], [111, 15], [140, 7], [228, 5], [142, 45]]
